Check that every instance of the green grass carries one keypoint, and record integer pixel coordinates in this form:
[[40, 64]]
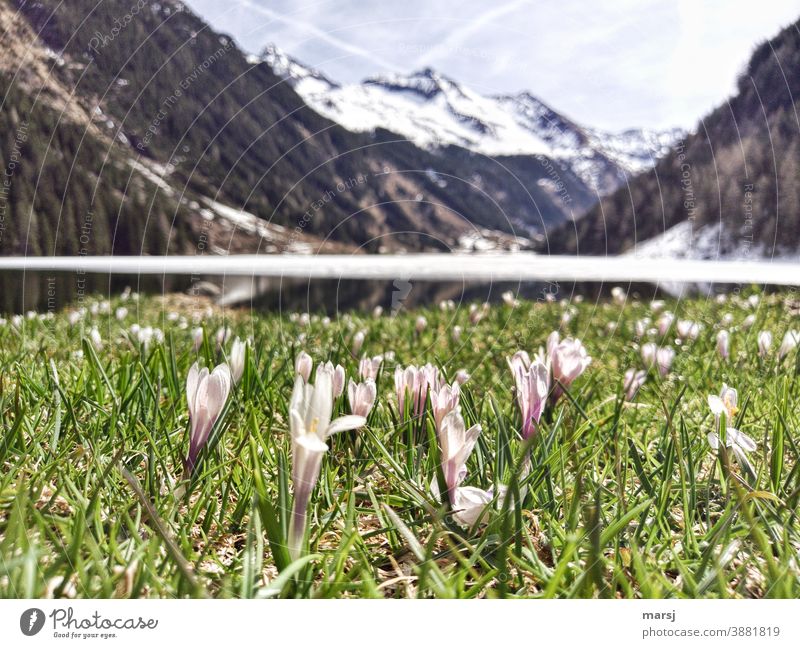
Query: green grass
[[623, 500]]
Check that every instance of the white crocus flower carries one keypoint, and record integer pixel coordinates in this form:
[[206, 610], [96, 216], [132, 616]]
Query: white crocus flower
[[736, 441], [236, 359], [789, 343], [310, 424]]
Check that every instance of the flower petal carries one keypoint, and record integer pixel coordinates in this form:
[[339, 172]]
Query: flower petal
[[343, 423]]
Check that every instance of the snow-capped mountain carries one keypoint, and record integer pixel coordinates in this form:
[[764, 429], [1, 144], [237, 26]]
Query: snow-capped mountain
[[433, 111]]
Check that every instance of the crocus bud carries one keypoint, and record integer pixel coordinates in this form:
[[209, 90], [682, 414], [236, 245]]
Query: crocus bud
[[197, 338], [649, 351], [764, 343], [462, 376], [748, 321], [94, 336], [723, 344], [362, 397], [444, 399], [223, 333], [633, 381], [121, 313], [421, 324], [568, 361], [456, 444], [664, 323], [303, 365], [664, 358], [456, 332], [236, 359], [358, 342], [369, 367], [206, 394], [788, 344], [532, 383], [618, 295]]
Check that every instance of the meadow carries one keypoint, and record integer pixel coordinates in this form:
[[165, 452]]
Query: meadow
[[638, 473]]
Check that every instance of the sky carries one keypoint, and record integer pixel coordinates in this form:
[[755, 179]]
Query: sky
[[615, 64]]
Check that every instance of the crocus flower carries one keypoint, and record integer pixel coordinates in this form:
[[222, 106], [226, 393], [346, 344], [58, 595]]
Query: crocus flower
[[664, 323], [726, 403], [377, 311], [509, 299], [337, 375], [664, 358], [444, 399], [362, 397], [121, 313], [748, 321], [687, 329], [649, 351], [303, 365], [94, 336], [532, 385], [619, 295], [358, 342], [236, 359], [640, 327], [456, 332], [420, 324], [310, 424], [369, 367], [738, 442], [206, 394], [414, 382], [462, 376], [632, 383], [723, 344], [764, 343], [197, 338], [788, 344], [568, 360], [222, 336]]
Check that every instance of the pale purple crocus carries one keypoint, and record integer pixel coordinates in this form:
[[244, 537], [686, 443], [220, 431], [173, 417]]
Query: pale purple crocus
[[421, 324], [633, 382], [462, 376], [664, 358], [413, 382], [197, 338], [206, 395], [337, 376], [532, 386], [455, 445], [649, 351], [724, 344], [664, 323], [303, 364], [362, 397], [444, 399], [764, 343], [369, 367], [568, 360], [687, 329], [310, 424]]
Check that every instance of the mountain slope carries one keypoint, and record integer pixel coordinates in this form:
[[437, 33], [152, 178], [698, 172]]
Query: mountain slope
[[222, 147], [730, 189], [433, 110]]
